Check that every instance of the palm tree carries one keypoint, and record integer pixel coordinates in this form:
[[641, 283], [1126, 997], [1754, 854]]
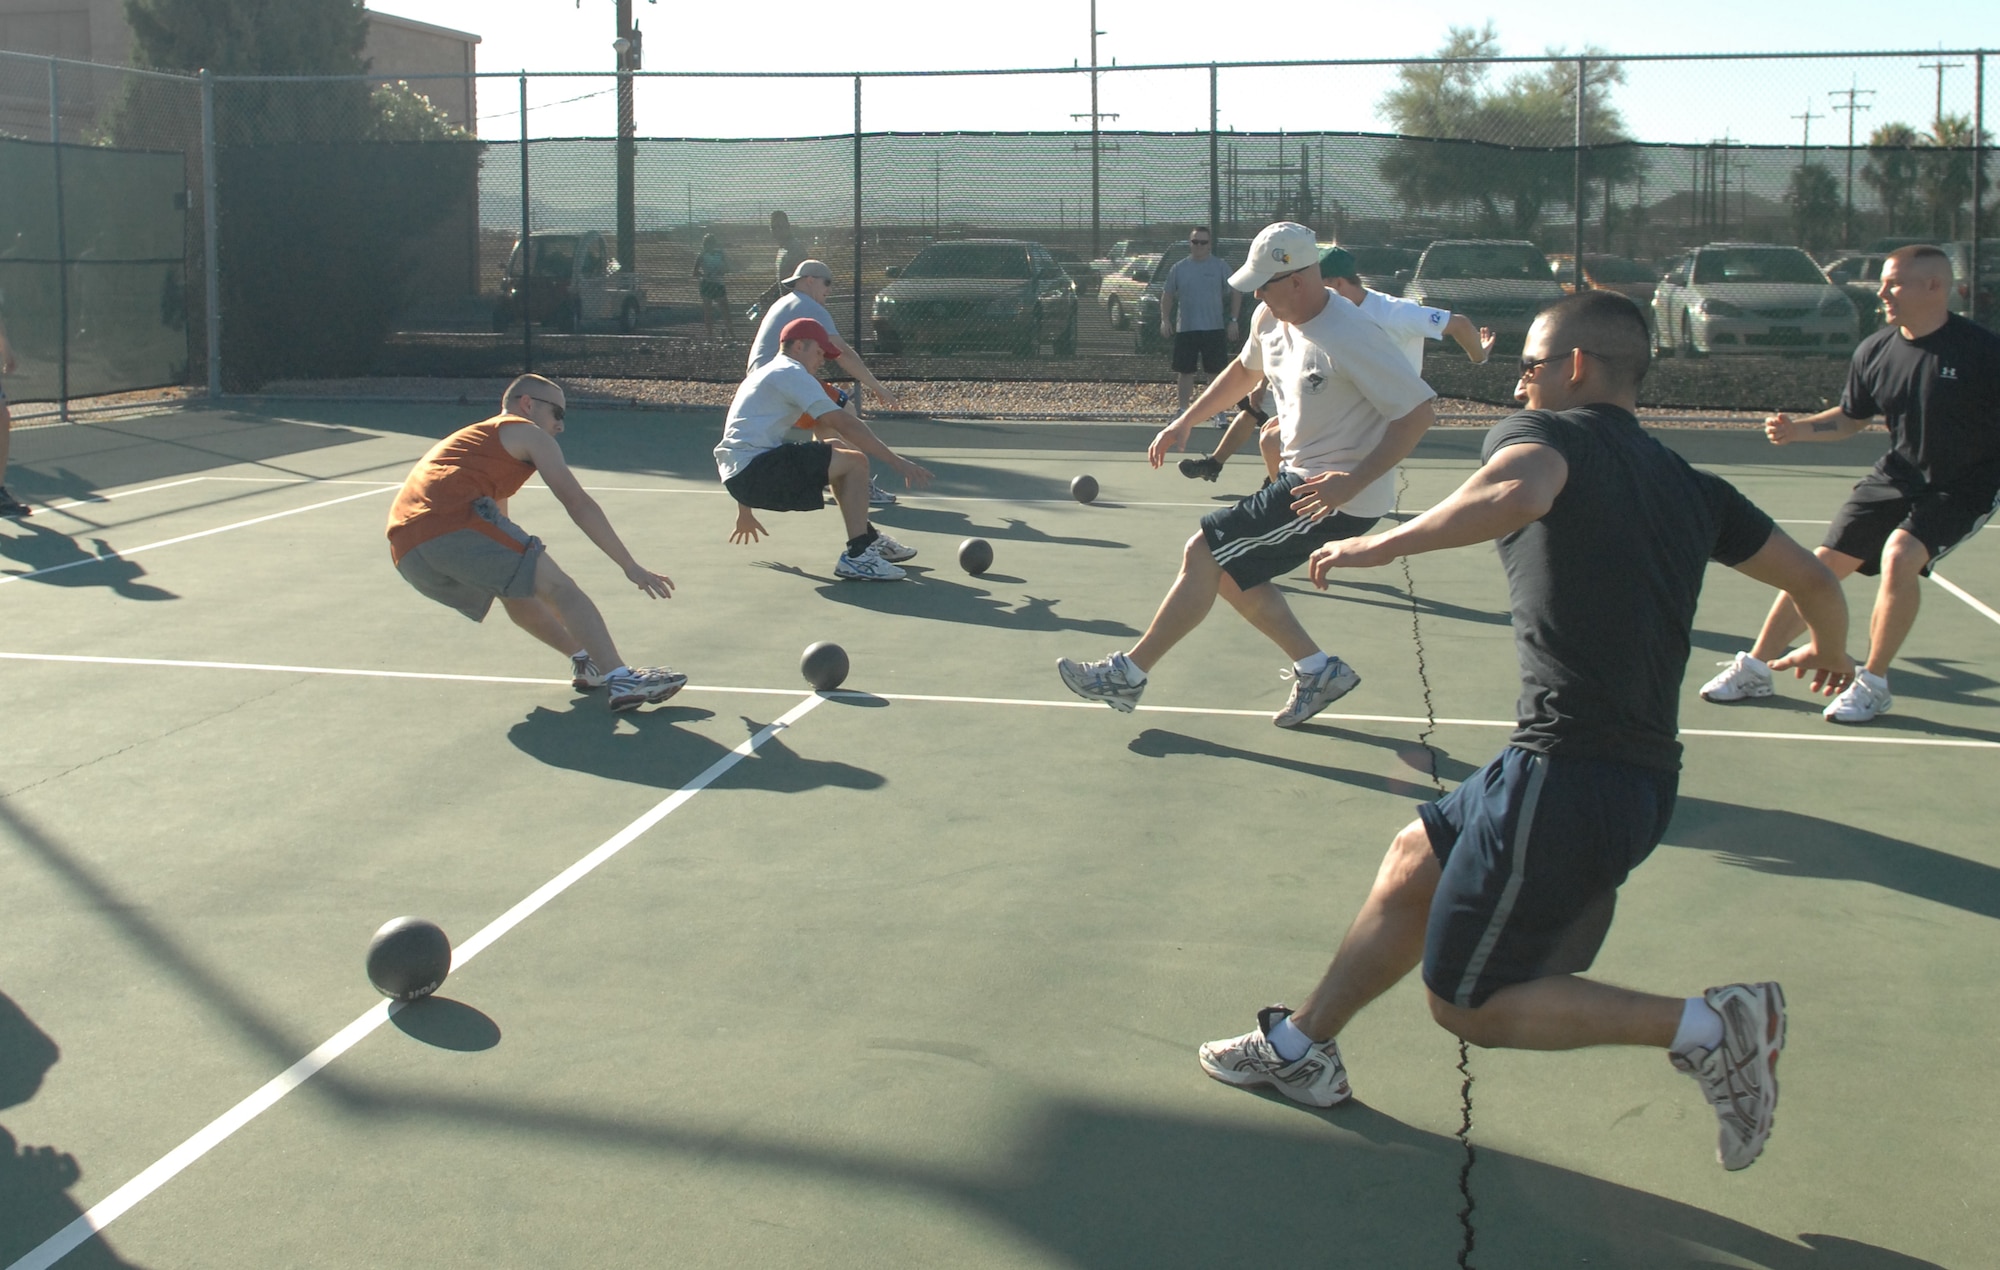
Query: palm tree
[[1892, 168]]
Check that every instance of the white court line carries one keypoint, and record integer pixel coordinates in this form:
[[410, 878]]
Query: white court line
[[124, 493], [1837, 738], [1965, 595], [217, 1131], [168, 542]]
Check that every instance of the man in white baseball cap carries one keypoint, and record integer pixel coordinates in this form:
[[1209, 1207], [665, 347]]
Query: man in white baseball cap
[[1349, 409]]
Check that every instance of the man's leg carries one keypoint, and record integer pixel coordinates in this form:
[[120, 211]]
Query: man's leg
[[1896, 600], [576, 613], [1186, 384], [1384, 942], [533, 615], [1241, 428], [1264, 607], [1563, 1012], [847, 473], [1187, 602]]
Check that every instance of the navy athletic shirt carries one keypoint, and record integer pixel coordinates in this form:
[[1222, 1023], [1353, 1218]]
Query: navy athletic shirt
[[1604, 586], [1940, 396]]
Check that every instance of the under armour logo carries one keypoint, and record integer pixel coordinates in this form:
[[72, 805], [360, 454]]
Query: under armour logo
[[1947, 372], [1314, 381]]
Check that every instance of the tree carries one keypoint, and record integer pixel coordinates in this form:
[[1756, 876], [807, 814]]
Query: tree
[[1813, 195], [249, 37], [404, 114], [1891, 171], [1523, 133], [1945, 175]]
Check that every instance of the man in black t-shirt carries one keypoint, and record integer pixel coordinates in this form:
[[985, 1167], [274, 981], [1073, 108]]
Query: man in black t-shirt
[[1504, 889], [1935, 380]]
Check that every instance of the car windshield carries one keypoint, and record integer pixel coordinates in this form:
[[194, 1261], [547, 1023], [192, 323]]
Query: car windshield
[[1757, 264], [1141, 264], [970, 260], [1615, 269], [1484, 260], [1380, 259], [552, 258]]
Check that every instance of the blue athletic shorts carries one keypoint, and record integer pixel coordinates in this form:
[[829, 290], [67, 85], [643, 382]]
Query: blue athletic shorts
[[1534, 847], [1261, 536]]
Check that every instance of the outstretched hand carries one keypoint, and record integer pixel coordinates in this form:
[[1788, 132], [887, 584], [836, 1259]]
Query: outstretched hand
[[1172, 437], [657, 585], [1347, 553], [914, 475], [1488, 337], [1322, 495], [1831, 672], [747, 529], [1779, 428]]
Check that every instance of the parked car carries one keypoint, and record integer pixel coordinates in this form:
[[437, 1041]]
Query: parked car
[[1086, 278], [1989, 278], [978, 293], [1628, 278], [1859, 274], [575, 280], [1380, 267], [1498, 283], [1121, 289], [1146, 309], [1751, 298]]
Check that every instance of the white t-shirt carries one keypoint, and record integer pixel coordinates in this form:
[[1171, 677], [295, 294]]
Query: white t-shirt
[[1338, 380], [792, 304], [766, 406], [1408, 323]]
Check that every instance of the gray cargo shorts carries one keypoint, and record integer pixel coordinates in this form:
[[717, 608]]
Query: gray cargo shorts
[[467, 570]]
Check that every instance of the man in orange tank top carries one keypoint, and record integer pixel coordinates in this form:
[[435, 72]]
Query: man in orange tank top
[[450, 538]]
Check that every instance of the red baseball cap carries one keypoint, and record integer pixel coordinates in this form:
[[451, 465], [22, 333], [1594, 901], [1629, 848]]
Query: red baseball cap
[[808, 329]]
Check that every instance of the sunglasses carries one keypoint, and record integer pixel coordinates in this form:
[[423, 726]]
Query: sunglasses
[[1529, 365], [1197, 242], [1276, 278], [558, 410]]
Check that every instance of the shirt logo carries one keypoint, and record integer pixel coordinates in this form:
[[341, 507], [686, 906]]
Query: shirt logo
[[1314, 380], [1947, 372]]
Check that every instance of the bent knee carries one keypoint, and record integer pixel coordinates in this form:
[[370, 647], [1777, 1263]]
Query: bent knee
[[1473, 1025], [1905, 555]]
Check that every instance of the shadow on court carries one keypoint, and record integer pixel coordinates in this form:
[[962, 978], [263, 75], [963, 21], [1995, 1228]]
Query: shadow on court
[[648, 747], [447, 1024], [944, 521], [78, 460], [937, 597], [35, 1181], [1383, 595], [42, 548]]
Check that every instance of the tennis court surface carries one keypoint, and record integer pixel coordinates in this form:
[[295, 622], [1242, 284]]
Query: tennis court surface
[[911, 974]]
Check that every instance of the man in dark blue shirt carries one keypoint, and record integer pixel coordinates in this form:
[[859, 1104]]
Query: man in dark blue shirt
[[1504, 889], [1934, 378]]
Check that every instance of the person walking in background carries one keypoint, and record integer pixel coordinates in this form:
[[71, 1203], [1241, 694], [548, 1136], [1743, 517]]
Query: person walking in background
[[710, 269], [10, 506], [790, 253], [1198, 311]]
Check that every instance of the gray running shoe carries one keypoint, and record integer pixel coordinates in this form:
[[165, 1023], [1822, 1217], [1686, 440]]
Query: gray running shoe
[[1205, 468], [1319, 1079], [891, 550], [1104, 681], [877, 496], [1740, 1076], [642, 686], [869, 566], [584, 676], [1743, 677], [1314, 693]]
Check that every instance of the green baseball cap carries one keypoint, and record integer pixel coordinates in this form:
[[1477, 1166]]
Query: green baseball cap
[[1338, 262]]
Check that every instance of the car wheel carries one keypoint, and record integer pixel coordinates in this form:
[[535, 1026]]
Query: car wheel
[[1660, 347], [887, 343], [1031, 339], [628, 316], [1115, 310], [502, 319], [1066, 342], [569, 318], [1685, 347]]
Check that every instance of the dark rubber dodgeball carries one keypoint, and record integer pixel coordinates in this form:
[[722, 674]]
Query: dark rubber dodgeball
[[408, 958], [824, 666], [975, 555], [1084, 489]]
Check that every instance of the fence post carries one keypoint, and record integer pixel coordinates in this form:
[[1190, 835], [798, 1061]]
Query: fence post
[[1214, 162], [856, 328], [211, 267], [1978, 175], [527, 248], [1582, 82], [62, 246]]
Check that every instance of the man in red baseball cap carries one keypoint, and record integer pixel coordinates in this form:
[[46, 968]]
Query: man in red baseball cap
[[761, 470]]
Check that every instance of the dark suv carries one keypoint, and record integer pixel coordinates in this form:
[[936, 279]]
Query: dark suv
[[977, 293]]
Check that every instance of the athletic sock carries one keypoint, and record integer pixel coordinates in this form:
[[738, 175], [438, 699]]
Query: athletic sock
[[862, 541], [1129, 668], [1701, 1028], [1311, 665], [581, 652], [1290, 1043], [622, 670]]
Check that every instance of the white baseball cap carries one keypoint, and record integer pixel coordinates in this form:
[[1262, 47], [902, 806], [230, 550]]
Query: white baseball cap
[[1279, 248], [810, 269]]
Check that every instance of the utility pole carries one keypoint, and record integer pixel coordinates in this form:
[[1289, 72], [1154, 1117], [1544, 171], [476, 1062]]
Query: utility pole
[[1940, 66], [1096, 118], [1853, 94], [627, 45], [1805, 142]]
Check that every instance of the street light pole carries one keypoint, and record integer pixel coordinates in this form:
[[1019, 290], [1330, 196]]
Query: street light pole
[[1852, 92]]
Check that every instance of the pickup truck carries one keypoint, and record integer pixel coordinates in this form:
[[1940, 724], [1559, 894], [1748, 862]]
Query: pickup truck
[[575, 281]]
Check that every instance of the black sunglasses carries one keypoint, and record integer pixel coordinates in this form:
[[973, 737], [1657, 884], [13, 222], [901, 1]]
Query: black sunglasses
[[559, 412], [1529, 365], [1197, 242]]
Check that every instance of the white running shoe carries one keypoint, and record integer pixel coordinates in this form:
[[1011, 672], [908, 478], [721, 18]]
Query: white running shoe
[[584, 676], [1319, 1079], [1863, 699], [1104, 681], [1743, 678], [642, 686], [1740, 1076], [1314, 693], [869, 566], [891, 550], [877, 496]]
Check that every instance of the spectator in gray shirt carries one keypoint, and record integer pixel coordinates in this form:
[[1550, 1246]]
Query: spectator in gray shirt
[[1198, 313]]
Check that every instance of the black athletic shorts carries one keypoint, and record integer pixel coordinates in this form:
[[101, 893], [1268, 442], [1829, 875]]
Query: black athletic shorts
[[1940, 517], [1534, 847], [714, 289], [1208, 348], [787, 479], [1262, 537]]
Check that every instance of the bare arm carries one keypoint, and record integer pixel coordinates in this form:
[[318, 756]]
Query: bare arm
[[1784, 564], [1235, 381], [1318, 496], [850, 361], [528, 442], [1477, 343], [1827, 425], [848, 427], [1514, 489], [6, 353]]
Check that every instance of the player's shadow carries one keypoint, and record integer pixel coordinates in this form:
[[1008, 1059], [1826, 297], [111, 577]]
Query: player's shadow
[[45, 548], [1386, 596], [941, 520], [1161, 743], [35, 1180], [1799, 703], [940, 599], [649, 747]]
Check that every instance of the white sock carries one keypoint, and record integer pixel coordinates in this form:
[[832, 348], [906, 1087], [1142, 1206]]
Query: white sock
[[1129, 668], [1701, 1028], [1311, 665], [1750, 659], [581, 652], [1290, 1043], [622, 670]]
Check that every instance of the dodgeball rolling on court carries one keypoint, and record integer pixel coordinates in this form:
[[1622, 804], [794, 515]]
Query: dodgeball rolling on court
[[910, 972]]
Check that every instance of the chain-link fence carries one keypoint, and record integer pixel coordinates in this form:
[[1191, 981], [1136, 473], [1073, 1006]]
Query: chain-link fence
[[360, 230]]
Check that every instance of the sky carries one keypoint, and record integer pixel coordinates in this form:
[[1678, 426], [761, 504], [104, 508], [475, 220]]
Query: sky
[[1684, 102]]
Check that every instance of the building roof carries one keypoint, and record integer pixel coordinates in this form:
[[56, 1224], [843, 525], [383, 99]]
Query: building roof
[[411, 24]]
